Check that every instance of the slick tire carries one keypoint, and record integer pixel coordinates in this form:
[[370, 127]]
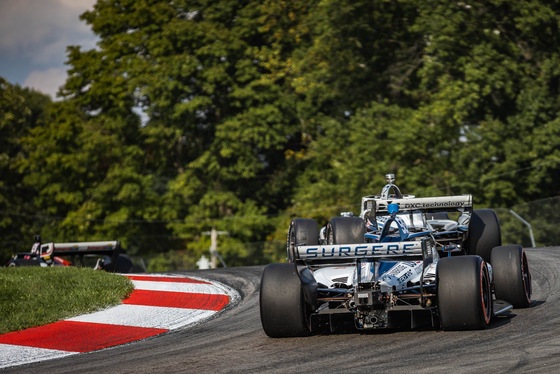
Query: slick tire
[[512, 279], [18, 262], [346, 230], [303, 231], [464, 293], [484, 233], [283, 310]]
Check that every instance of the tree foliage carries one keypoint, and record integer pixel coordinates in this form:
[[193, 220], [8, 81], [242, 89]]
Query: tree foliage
[[21, 111], [237, 115]]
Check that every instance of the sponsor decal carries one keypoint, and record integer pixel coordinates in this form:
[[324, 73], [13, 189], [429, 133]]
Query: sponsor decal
[[460, 201], [443, 204], [360, 250], [402, 272]]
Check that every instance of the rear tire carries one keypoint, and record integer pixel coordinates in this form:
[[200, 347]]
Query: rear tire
[[346, 230], [283, 310], [122, 265], [484, 233], [512, 279], [17, 262], [303, 231], [464, 293]]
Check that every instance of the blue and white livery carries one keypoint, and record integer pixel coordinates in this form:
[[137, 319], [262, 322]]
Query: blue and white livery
[[404, 262]]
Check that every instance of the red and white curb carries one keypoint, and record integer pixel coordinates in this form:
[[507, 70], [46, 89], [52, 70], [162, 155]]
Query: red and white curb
[[159, 303]]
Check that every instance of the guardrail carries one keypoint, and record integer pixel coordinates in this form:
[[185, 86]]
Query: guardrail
[[532, 224]]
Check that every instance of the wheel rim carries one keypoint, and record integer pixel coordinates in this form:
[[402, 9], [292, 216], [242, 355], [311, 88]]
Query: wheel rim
[[526, 276], [485, 292], [291, 244]]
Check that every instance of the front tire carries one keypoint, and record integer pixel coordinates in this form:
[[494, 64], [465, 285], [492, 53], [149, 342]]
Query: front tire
[[484, 233], [345, 230], [303, 231], [512, 279], [464, 293], [283, 310], [18, 262]]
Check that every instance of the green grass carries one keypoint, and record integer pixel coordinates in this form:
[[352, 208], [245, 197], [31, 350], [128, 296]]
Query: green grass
[[35, 296]]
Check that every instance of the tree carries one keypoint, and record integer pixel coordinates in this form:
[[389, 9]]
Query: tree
[[219, 114], [362, 51], [21, 110], [491, 71], [237, 115]]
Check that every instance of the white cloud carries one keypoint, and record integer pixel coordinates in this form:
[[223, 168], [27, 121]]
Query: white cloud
[[78, 4], [27, 23], [47, 81], [34, 35]]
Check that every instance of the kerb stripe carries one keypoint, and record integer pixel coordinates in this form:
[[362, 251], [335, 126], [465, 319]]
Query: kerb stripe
[[165, 279], [178, 300], [78, 336]]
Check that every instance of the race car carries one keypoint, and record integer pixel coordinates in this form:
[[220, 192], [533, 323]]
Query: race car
[[105, 255], [404, 263]]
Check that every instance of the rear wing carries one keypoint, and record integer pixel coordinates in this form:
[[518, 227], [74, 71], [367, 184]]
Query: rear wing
[[93, 248], [427, 204], [408, 250], [47, 251], [77, 248]]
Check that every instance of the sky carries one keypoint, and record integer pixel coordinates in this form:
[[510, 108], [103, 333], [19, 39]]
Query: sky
[[34, 35]]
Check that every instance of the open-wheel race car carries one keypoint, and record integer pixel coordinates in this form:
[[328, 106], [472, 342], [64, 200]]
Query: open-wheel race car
[[405, 262], [102, 255]]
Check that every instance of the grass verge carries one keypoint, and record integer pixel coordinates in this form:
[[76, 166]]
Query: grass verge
[[35, 296]]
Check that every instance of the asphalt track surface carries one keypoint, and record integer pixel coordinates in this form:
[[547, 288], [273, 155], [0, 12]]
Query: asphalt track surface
[[524, 341]]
